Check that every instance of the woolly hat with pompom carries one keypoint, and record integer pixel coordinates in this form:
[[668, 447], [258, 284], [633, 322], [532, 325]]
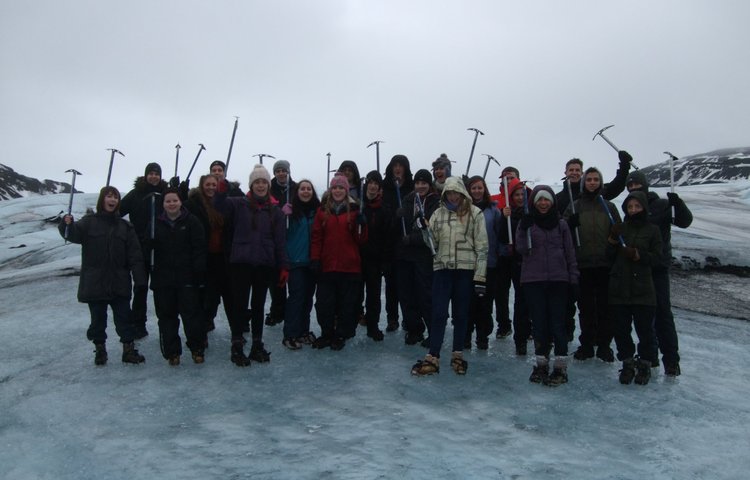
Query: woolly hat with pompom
[[259, 173]]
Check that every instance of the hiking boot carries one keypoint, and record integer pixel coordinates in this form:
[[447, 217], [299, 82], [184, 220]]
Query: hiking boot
[[130, 354], [376, 335], [642, 372], [100, 354], [174, 360], [482, 344], [337, 343], [430, 365], [584, 352], [238, 355], [605, 354], [672, 369], [259, 354], [322, 342], [392, 325], [198, 356], [557, 377], [140, 332], [627, 373], [307, 339], [291, 343], [503, 332], [413, 338], [458, 364], [539, 374], [271, 321], [425, 343], [521, 349]]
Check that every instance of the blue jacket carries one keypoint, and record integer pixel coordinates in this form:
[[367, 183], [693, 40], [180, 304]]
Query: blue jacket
[[298, 240]]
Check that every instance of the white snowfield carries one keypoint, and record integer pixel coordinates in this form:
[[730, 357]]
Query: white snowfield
[[357, 413]]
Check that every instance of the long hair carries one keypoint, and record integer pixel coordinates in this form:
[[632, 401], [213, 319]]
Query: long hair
[[299, 208], [215, 219], [103, 193]]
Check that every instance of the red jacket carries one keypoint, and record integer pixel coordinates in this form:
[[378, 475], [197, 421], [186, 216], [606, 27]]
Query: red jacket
[[336, 240]]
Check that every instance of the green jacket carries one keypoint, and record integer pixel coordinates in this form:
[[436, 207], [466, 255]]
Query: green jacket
[[593, 230], [459, 246]]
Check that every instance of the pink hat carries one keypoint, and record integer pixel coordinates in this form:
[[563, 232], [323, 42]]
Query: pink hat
[[339, 180]]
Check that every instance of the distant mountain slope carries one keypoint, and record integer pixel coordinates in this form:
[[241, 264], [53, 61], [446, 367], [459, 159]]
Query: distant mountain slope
[[713, 167], [15, 185]]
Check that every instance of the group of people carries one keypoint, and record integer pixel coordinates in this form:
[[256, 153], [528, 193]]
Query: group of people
[[442, 246]]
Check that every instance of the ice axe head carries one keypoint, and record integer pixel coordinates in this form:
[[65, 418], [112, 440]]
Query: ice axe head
[[202, 146], [671, 155], [601, 131], [73, 171], [476, 130]]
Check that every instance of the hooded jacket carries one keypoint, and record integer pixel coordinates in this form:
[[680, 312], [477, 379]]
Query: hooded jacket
[[609, 190], [461, 244], [353, 186], [390, 196], [137, 204], [336, 239], [631, 282]]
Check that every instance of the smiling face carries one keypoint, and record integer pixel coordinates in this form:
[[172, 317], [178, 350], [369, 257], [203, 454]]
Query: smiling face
[[543, 205], [305, 191], [172, 204], [421, 187], [260, 187], [218, 172], [338, 193], [373, 189], [593, 182], [153, 178], [573, 172], [111, 201], [209, 186], [453, 197], [477, 191], [282, 176], [517, 197], [439, 173]]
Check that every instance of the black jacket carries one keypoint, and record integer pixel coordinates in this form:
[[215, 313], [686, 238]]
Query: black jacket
[[179, 252], [110, 255], [137, 204], [660, 214], [414, 247]]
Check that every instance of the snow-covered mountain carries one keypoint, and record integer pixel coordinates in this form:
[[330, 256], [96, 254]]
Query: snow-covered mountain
[[711, 167], [15, 185]]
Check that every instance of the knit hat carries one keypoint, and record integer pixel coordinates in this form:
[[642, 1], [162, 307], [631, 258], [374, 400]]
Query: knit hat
[[637, 177], [540, 194], [374, 176], [281, 165], [442, 162], [339, 180], [152, 167], [259, 172], [219, 163], [423, 175]]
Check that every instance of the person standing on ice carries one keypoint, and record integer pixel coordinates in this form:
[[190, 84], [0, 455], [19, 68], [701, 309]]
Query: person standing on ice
[[282, 187], [258, 252], [660, 214], [179, 246], [137, 204], [110, 257], [460, 239], [592, 223], [549, 276], [635, 248], [339, 230]]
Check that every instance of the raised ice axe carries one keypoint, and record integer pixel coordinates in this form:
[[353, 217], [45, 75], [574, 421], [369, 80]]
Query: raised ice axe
[[477, 132], [261, 156], [601, 134], [490, 158], [111, 161], [231, 144], [672, 159], [176, 157], [72, 192], [200, 150], [377, 153]]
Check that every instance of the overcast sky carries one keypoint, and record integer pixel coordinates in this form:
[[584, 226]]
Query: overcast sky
[[311, 77]]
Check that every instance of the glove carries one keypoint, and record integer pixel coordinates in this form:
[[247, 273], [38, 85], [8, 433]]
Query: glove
[[361, 219], [631, 253], [575, 292], [283, 277], [174, 182], [480, 288], [526, 222], [315, 267], [624, 157], [673, 199], [184, 188], [574, 220], [68, 219], [287, 209], [616, 230]]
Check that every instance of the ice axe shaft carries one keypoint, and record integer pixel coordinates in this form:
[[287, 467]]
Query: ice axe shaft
[[508, 204], [200, 150], [573, 209], [398, 197], [611, 218], [328, 170], [176, 157], [112, 161], [672, 159], [377, 152], [231, 145], [72, 192], [477, 132], [601, 134], [490, 158]]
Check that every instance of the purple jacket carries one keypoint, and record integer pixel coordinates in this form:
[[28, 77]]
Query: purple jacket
[[552, 257], [259, 236]]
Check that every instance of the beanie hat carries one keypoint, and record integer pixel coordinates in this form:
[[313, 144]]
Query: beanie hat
[[281, 165], [540, 194], [152, 167], [637, 177], [339, 180], [442, 162], [259, 173], [374, 176], [423, 175], [219, 163]]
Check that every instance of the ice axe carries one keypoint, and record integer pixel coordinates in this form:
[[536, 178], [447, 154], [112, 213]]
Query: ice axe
[[200, 150], [601, 134], [231, 144], [152, 228], [263, 155], [328, 169], [487, 165], [176, 157], [377, 152], [111, 161], [477, 132], [72, 192], [573, 209], [672, 159]]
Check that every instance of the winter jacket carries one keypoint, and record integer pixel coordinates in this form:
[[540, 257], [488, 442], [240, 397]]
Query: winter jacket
[[416, 246], [214, 235], [460, 245], [110, 255], [377, 249], [179, 252], [609, 190], [660, 214], [493, 220], [631, 282], [336, 240], [280, 193], [258, 230], [298, 239], [551, 256], [593, 230], [137, 204]]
